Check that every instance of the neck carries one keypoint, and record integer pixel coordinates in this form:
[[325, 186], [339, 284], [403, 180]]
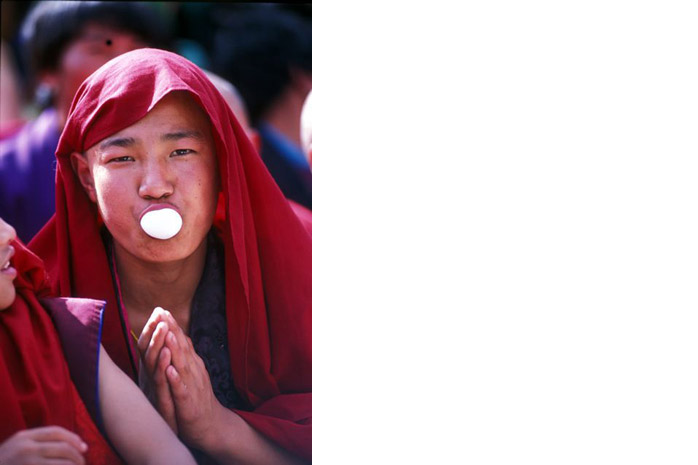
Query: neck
[[170, 285]]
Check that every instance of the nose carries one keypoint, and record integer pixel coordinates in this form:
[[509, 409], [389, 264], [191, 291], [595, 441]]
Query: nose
[[157, 181], [7, 233]]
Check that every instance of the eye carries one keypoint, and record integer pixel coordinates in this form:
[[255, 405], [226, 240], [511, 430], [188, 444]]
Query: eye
[[181, 152], [123, 159]]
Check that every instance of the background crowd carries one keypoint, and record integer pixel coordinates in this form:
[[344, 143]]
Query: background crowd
[[48, 49]]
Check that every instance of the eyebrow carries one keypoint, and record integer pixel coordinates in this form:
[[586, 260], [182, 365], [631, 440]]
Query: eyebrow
[[123, 142], [183, 134]]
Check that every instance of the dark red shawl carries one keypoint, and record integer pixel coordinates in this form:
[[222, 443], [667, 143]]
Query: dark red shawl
[[267, 249], [34, 376], [35, 384]]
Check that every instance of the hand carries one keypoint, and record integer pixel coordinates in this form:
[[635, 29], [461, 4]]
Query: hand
[[196, 406], [154, 359], [45, 445]]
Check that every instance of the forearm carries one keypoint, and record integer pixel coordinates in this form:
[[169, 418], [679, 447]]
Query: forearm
[[236, 442], [133, 426]]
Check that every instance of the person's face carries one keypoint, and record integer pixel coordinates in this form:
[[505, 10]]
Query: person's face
[[168, 157], [84, 55], [7, 272]]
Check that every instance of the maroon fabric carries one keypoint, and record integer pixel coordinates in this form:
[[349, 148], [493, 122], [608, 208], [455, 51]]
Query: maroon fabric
[[78, 323], [34, 376], [267, 249], [35, 385], [303, 214]]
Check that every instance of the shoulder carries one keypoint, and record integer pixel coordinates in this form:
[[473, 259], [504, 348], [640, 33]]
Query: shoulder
[[79, 326]]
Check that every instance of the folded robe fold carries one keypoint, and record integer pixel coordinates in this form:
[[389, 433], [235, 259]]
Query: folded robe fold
[[35, 380]]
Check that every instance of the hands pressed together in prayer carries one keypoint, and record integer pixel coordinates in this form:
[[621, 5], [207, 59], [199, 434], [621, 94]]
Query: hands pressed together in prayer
[[175, 380]]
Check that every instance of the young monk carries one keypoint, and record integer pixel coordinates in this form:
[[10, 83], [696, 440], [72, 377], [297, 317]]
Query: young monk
[[42, 417], [228, 365]]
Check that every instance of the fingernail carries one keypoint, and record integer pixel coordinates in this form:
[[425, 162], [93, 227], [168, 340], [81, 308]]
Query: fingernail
[[83, 446]]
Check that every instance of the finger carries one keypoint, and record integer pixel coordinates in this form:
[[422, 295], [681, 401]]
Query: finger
[[152, 353], [146, 335], [61, 450], [182, 358], [200, 363], [57, 433], [178, 331], [165, 403], [159, 377], [180, 393], [164, 361], [179, 358]]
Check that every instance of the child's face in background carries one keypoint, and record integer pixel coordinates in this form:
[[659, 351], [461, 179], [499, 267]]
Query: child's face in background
[[7, 273]]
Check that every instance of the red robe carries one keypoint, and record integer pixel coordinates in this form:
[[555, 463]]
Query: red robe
[[35, 385], [267, 248]]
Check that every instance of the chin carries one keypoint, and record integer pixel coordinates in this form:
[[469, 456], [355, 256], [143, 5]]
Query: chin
[[169, 250], [6, 301]]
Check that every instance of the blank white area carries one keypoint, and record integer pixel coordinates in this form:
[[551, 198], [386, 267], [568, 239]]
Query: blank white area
[[505, 232]]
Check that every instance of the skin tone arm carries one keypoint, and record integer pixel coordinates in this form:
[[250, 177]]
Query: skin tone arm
[[135, 429], [201, 420]]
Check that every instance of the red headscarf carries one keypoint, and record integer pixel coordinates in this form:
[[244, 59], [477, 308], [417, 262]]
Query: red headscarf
[[35, 385], [267, 249], [33, 371]]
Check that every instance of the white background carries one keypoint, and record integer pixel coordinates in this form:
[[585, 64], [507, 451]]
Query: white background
[[505, 232]]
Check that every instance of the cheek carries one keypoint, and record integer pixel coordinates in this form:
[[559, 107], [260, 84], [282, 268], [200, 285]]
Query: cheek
[[201, 193], [209, 187], [7, 293], [111, 194]]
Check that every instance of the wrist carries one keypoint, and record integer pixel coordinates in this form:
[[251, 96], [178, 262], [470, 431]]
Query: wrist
[[217, 441]]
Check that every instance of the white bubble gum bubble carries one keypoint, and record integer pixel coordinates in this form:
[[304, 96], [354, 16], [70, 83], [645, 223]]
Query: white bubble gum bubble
[[161, 224]]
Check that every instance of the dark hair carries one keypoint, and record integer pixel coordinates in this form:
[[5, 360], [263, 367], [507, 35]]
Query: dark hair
[[51, 25], [257, 48]]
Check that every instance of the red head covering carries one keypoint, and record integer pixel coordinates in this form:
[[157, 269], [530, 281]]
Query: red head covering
[[267, 249], [35, 385], [33, 371]]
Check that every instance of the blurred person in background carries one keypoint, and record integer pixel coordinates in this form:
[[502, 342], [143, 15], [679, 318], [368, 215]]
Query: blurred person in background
[[234, 100], [307, 129], [63, 43], [266, 52], [10, 94]]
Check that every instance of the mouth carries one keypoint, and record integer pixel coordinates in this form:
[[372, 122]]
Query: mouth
[[158, 206], [6, 263]]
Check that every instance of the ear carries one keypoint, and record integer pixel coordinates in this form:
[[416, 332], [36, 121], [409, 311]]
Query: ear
[[82, 170]]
